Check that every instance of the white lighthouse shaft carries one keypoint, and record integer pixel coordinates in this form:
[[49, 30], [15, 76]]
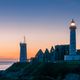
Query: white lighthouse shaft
[[72, 41], [72, 38]]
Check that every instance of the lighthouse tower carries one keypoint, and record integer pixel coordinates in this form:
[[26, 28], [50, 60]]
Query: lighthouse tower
[[23, 51], [72, 48]]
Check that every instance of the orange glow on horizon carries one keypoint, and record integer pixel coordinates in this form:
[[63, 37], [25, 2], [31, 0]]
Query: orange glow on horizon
[[31, 52]]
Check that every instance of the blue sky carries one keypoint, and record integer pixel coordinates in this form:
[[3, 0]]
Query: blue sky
[[39, 11]]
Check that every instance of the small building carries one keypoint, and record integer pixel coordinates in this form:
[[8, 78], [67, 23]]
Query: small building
[[60, 51], [39, 56], [52, 54], [46, 56]]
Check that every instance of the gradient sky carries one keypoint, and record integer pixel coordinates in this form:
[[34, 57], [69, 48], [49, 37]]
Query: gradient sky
[[45, 23]]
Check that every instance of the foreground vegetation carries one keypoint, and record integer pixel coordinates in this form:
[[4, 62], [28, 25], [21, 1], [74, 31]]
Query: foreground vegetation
[[40, 71]]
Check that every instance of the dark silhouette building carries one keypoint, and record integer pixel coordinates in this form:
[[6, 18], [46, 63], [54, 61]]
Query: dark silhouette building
[[46, 56], [39, 56], [23, 52], [52, 54], [60, 51]]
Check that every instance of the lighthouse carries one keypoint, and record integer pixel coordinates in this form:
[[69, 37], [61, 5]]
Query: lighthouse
[[72, 48], [23, 51]]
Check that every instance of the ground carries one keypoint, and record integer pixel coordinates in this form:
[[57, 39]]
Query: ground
[[42, 71]]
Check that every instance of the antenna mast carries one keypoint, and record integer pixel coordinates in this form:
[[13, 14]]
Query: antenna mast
[[24, 39]]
